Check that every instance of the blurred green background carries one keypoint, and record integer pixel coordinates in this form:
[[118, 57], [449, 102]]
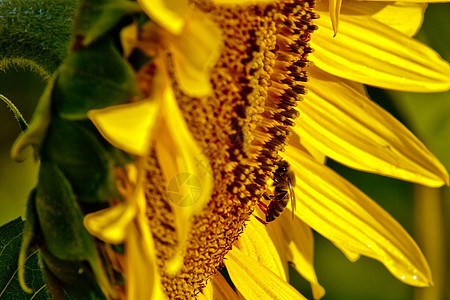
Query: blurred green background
[[427, 115]]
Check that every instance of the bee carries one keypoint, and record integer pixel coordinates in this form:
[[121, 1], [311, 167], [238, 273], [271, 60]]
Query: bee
[[284, 182]]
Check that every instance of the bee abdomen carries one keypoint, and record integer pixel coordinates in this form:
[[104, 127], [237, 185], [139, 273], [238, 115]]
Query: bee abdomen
[[276, 207]]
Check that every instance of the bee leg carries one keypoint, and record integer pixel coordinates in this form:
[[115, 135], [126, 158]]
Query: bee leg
[[261, 220], [262, 205]]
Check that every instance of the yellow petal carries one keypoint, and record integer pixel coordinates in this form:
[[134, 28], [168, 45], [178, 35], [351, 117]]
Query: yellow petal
[[186, 170], [414, 1], [255, 242], [218, 289], [142, 280], [178, 152], [348, 127], [294, 140], [335, 9], [110, 224], [296, 253], [169, 14], [351, 256], [403, 16], [129, 38], [243, 2], [340, 212], [195, 52], [301, 247], [255, 281], [128, 126], [370, 52], [278, 240]]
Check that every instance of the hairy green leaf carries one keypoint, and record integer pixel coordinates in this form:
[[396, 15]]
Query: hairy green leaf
[[35, 33]]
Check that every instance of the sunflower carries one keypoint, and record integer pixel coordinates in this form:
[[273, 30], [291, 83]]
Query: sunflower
[[228, 95]]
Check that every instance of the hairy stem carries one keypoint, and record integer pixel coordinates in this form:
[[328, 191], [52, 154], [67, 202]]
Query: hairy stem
[[23, 124]]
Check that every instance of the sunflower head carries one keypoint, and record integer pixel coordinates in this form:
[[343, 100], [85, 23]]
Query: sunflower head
[[222, 84]]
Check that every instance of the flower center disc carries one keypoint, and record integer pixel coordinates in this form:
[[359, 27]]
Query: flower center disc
[[257, 82]]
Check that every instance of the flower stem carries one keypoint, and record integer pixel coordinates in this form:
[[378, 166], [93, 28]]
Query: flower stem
[[431, 237]]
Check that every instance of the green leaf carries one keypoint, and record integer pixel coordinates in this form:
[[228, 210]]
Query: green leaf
[[85, 162], [95, 18], [35, 33], [10, 240], [93, 77]]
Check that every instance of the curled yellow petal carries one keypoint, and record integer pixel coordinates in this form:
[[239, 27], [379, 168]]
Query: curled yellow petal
[[370, 52], [335, 9], [186, 170], [143, 281], [348, 127], [128, 126], [254, 281], [195, 51], [169, 14], [129, 38], [110, 224], [343, 214]]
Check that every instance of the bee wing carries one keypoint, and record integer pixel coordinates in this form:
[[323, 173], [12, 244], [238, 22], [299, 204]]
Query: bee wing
[[292, 196]]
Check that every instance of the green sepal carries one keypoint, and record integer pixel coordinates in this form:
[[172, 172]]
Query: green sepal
[[72, 277], [93, 77], [96, 17], [85, 162], [60, 217], [31, 231], [34, 135], [61, 223]]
